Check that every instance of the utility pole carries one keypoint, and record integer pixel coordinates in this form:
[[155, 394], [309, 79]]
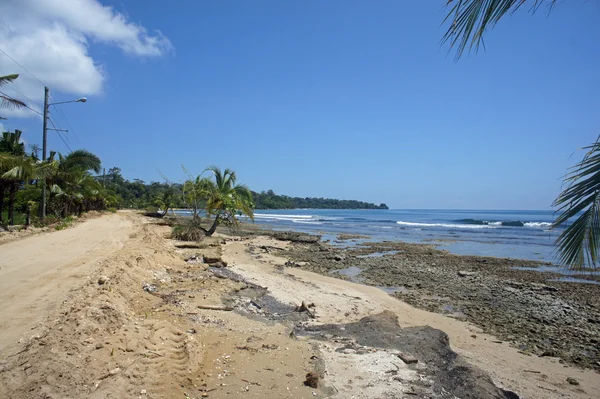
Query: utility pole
[[44, 139]]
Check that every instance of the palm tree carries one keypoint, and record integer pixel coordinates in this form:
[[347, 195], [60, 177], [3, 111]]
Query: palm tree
[[579, 243], [165, 201], [194, 194], [470, 19], [70, 181], [225, 199], [16, 169], [7, 101]]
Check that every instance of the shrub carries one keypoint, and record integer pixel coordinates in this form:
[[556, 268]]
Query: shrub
[[112, 210], [64, 223], [188, 231], [49, 220]]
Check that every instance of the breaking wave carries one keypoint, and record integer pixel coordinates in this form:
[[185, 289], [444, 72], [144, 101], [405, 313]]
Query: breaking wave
[[447, 225], [505, 223]]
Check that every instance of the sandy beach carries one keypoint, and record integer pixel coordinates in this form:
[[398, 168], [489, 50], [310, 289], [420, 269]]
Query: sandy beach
[[113, 308]]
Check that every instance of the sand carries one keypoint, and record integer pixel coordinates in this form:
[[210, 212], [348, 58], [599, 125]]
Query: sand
[[64, 335]]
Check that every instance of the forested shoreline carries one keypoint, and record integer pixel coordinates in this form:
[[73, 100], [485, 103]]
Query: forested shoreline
[[270, 200]]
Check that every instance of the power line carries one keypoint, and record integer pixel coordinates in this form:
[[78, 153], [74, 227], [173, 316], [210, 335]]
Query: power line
[[27, 98], [36, 78], [25, 69], [60, 135], [26, 106], [68, 124]]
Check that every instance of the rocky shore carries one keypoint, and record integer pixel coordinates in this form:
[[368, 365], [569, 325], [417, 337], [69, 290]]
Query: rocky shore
[[242, 315], [534, 311]]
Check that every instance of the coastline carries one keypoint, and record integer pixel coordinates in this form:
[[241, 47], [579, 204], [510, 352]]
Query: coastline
[[538, 312], [524, 373], [161, 318]]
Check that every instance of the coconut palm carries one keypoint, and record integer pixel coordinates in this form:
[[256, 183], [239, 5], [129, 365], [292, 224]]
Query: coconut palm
[[165, 201], [470, 19], [225, 199], [76, 193], [70, 181], [7, 101], [579, 243], [14, 169], [194, 192]]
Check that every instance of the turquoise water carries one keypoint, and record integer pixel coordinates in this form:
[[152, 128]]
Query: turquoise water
[[515, 234]]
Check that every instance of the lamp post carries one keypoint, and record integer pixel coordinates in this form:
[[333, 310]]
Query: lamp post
[[44, 139]]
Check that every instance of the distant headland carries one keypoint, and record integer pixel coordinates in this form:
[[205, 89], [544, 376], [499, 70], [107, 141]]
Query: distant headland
[[270, 200]]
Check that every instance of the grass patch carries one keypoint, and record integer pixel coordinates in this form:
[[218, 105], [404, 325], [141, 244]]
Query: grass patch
[[64, 223], [188, 231], [20, 218]]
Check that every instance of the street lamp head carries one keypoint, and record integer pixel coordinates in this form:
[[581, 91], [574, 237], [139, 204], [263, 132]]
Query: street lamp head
[[81, 100]]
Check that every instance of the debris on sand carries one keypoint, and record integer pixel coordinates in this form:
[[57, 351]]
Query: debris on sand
[[572, 381], [312, 380], [149, 288], [306, 308], [408, 359]]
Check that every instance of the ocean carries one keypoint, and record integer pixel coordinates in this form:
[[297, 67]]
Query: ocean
[[514, 234]]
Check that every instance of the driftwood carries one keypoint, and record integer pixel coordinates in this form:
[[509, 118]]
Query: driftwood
[[210, 307], [407, 358], [306, 308]]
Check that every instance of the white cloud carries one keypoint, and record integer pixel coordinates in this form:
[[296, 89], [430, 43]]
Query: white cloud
[[51, 38], [2, 128]]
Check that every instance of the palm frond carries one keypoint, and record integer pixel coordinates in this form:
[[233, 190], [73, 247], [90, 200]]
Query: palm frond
[[81, 159], [470, 19], [579, 243], [15, 168], [10, 103], [229, 178], [56, 189], [216, 171], [8, 79]]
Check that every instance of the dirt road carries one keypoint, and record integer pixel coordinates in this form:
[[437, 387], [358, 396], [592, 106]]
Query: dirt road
[[160, 326], [37, 272]]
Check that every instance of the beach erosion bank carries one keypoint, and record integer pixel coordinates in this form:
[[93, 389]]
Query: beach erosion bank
[[220, 319]]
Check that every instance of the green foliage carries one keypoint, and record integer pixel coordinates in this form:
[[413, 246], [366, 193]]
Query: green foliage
[[470, 19], [225, 199], [137, 194], [19, 217], [5, 100], [48, 221], [270, 200], [579, 243], [70, 186], [112, 210], [11, 143], [16, 170], [26, 196], [65, 223]]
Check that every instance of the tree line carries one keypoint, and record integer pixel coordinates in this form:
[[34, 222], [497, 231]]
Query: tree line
[[469, 20], [71, 186], [270, 200]]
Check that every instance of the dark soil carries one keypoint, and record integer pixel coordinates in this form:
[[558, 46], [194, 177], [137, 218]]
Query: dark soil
[[448, 376]]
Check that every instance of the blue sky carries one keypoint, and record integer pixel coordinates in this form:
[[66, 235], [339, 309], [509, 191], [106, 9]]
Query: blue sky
[[342, 99]]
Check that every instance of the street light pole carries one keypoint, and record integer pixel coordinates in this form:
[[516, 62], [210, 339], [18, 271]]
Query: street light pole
[[44, 140]]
